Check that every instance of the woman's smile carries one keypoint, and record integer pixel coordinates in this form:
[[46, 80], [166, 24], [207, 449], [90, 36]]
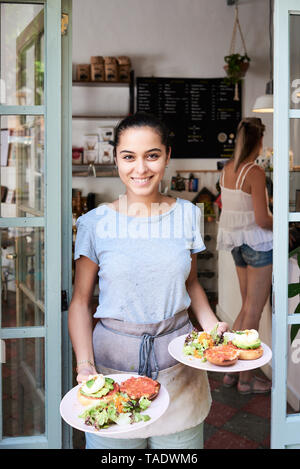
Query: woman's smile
[[141, 181]]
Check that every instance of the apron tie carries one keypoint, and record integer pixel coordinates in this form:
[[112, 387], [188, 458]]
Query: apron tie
[[146, 349]]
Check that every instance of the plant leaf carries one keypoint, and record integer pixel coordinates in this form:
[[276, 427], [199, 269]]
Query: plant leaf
[[297, 310], [294, 331], [294, 251], [293, 289]]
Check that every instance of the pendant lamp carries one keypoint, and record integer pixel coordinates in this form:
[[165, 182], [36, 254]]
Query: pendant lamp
[[264, 103]]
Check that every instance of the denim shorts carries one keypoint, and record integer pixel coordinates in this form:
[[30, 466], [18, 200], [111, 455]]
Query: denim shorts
[[244, 255]]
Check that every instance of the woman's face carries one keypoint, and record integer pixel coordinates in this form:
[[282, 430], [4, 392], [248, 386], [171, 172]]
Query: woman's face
[[141, 158]]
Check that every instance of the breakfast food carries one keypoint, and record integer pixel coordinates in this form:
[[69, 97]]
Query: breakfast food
[[222, 355], [97, 388], [136, 387], [107, 402], [223, 350], [196, 342], [248, 343]]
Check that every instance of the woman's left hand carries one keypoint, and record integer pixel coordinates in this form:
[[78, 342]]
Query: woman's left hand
[[222, 327]]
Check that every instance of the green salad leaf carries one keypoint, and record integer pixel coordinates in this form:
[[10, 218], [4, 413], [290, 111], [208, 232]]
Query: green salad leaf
[[104, 414]]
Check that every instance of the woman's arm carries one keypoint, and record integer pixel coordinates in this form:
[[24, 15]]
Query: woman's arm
[[80, 316], [257, 181], [199, 302]]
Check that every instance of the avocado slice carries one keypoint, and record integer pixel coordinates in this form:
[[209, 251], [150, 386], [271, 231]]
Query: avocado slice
[[246, 347]]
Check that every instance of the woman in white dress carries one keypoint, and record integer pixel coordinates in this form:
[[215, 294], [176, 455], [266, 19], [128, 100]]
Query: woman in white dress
[[245, 229]]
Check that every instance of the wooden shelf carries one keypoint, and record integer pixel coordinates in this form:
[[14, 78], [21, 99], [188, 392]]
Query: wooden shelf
[[81, 170], [108, 84], [98, 117], [101, 83]]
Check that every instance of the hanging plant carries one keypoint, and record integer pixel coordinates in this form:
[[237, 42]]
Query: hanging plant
[[236, 68], [236, 64]]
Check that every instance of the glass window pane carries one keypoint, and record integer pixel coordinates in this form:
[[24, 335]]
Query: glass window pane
[[22, 55], [294, 175], [293, 369], [23, 387], [295, 61], [22, 166], [22, 277]]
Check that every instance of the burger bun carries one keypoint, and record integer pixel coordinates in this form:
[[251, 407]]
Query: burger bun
[[250, 354]]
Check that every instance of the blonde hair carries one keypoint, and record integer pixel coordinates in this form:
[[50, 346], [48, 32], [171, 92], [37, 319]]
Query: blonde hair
[[249, 132]]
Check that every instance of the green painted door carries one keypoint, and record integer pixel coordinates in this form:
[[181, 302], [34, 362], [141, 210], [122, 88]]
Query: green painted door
[[30, 222], [285, 418]]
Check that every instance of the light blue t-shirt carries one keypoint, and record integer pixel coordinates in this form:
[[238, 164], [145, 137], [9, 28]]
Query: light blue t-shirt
[[144, 262]]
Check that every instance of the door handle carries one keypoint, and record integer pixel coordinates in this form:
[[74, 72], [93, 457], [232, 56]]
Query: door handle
[[2, 351]]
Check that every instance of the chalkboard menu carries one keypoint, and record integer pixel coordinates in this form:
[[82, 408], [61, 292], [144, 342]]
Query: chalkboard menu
[[200, 113]]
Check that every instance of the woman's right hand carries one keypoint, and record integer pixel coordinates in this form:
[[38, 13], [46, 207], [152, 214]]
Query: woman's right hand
[[84, 372]]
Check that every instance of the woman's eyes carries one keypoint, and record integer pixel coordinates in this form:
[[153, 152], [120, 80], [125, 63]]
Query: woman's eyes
[[127, 157], [151, 156]]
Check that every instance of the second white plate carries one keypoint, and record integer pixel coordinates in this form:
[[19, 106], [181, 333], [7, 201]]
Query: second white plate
[[175, 349]]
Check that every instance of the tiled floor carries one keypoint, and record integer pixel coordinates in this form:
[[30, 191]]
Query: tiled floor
[[236, 421]]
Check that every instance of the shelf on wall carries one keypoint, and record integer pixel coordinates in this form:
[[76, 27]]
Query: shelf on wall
[[101, 83], [101, 170], [97, 117], [107, 84]]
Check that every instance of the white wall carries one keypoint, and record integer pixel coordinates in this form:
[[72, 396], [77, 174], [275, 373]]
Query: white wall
[[180, 38]]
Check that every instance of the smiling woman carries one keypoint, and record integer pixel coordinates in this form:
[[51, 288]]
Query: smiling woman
[[143, 247]]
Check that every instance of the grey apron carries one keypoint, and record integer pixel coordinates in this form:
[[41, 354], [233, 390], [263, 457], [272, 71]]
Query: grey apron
[[122, 347]]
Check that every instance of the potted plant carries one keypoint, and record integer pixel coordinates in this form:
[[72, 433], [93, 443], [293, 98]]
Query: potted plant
[[236, 67]]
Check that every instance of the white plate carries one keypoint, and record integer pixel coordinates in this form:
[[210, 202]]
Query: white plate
[[176, 350], [70, 409]]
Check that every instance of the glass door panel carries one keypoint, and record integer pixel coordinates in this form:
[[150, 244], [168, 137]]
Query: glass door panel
[[22, 264], [22, 166], [294, 61], [285, 417], [22, 53], [293, 331], [23, 388], [294, 174], [30, 223]]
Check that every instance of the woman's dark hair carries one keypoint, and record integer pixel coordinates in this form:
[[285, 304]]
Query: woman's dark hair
[[249, 132], [141, 119]]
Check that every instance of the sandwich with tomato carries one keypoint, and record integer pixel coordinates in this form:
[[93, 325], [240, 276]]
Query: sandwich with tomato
[[106, 402], [222, 355], [96, 389]]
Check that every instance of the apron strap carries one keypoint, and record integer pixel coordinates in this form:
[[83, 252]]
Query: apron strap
[[146, 349]]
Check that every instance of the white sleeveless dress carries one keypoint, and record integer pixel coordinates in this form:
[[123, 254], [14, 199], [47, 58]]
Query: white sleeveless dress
[[237, 224]]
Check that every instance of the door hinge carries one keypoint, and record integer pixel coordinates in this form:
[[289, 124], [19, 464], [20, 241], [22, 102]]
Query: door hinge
[[64, 23], [64, 300]]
